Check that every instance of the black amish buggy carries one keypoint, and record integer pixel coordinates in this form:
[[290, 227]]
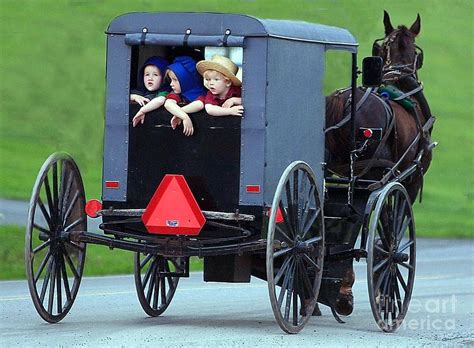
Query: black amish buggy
[[251, 195]]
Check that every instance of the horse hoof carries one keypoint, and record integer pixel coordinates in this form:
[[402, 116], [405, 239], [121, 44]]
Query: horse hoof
[[344, 304]]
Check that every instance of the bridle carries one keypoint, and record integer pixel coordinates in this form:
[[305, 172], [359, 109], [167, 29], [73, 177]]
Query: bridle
[[393, 72]]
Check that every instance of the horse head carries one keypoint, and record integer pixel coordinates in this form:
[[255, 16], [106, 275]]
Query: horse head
[[398, 50]]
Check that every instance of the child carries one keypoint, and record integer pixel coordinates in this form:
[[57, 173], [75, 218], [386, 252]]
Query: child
[[187, 94], [153, 89], [224, 96]]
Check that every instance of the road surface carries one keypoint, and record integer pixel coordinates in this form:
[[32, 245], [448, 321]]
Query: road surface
[[107, 312]]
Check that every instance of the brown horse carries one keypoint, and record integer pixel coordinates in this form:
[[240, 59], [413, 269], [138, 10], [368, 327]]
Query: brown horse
[[402, 132]]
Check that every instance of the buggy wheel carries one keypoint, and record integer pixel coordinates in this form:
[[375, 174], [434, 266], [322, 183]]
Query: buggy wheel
[[295, 247], [54, 263], [155, 282], [391, 257]]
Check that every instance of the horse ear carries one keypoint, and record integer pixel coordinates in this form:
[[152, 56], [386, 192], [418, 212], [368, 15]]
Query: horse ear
[[416, 26], [387, 23]]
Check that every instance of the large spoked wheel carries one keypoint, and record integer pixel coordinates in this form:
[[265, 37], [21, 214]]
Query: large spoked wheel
[[295, 247], [391, 257], [54, 264], [156, 281]]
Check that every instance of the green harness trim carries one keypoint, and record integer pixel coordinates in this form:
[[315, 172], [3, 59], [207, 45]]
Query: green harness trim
[[394, 93]]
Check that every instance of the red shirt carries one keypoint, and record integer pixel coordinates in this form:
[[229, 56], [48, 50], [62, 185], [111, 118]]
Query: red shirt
[[180, 100], [234, 91]]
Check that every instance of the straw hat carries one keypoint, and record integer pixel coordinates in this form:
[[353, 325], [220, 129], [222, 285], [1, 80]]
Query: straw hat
[[221, 64]]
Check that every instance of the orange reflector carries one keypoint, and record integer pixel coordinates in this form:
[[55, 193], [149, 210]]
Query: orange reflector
[[112, 184], [279, 215], [173, 209], [252, 188], [92, 207]]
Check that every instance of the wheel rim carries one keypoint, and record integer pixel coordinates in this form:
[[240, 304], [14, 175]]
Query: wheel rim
[[54, 264], [295, 248], [391, 257], [155, 282]]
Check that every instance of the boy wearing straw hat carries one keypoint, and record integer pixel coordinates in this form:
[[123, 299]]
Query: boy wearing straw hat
[[224, 95]]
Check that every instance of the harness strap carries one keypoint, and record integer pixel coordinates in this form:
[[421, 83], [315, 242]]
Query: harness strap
[[348, 116]]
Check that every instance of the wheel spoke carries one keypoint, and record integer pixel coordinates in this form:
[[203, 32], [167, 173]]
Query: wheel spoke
[[406, 265], [405, 246], [152, 283], [71, 266], [285, 284], [163, 291], [156, 291], [51, 287], [42, 229], [41, 247], [289, 292], [309, 222], [148, 273], [286, 218], [58, 288], [291, 212], [67, 289], [380, 265], [281, 252], [403, 229], [402, 281], [45, 214], [65, 195], [311, 262], [55, 190], [314, 240], [145, 260], [74, 224], [52, 213], [46, 280], [71, 206], [282, 269], [283, 234], [306, 208], [305, 280], [398, 297], [42, 265]]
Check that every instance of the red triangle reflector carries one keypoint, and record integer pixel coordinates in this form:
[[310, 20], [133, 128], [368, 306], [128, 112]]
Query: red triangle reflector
[[173, 209]]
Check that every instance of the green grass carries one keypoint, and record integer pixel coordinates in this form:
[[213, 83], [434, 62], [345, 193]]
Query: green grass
[[52, 68], [99, 259]]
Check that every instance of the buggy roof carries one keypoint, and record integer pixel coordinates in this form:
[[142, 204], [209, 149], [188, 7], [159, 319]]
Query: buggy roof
[[239, 25]]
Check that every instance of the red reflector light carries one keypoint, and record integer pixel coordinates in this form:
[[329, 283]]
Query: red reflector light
[[112, 184], [252, 188], [92, 207], [368, 133]]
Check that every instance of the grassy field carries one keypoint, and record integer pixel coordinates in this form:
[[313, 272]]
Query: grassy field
[[52, 68]]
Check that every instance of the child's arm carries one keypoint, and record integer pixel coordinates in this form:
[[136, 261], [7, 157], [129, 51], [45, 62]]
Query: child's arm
[[214, 110], [176, 111], [152, 105], [195, 106], [136, 98], [232, 101]]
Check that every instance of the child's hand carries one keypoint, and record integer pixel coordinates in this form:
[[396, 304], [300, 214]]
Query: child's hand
[[139, 99], [229, 103], [138, 118], [188, 127], [175, 121], [236, 110]]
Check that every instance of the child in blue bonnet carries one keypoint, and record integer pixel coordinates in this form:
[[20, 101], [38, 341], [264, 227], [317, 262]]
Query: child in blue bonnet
[[187, 94], [153, 88]]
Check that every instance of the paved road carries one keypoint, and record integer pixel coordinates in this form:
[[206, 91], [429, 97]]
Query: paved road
[[107, 312]]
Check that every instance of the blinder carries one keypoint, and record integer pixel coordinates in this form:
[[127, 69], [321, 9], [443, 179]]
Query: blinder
[[377, 50]]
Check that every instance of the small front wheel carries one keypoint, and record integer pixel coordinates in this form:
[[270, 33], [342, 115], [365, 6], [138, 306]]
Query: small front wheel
[[295, 247], [156, 281]]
